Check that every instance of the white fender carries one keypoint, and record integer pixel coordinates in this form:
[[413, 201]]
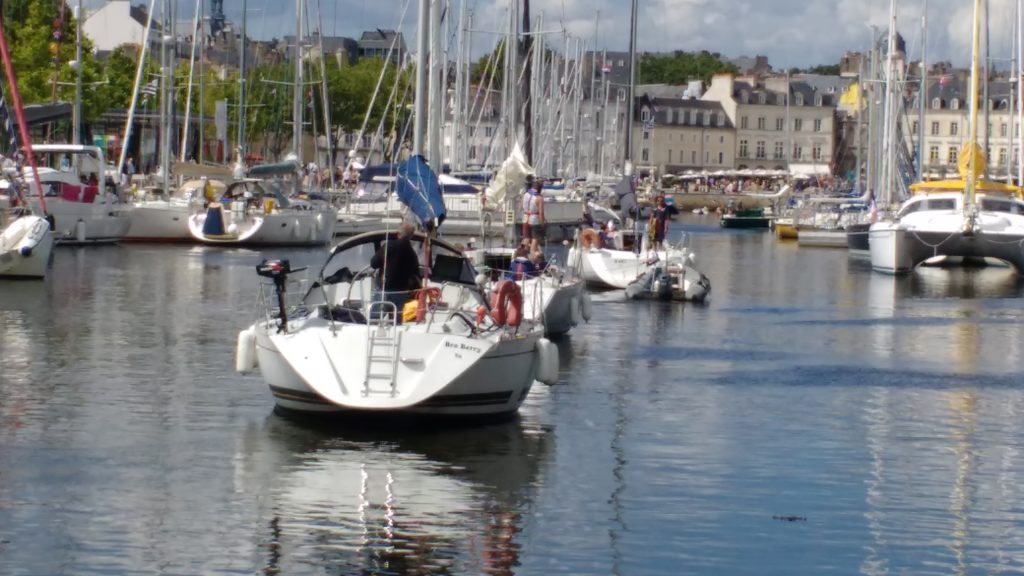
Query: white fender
[[547, 361], [297, 231], [80, 231], [577, 313], [587, 306], [319, 224], [245, 352]]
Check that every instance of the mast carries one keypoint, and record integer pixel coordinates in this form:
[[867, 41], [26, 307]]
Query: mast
[[76, 123], [436, 87], [868, 87], [167, 100], [860, 128], [632, 88], [922, 93], [459, 111], [1013, 99], [985, 98], [202, 80], [969, 208], [889, 125], [1020, 96], [135, 90], [528, 85], [19, 113], [241, 79], [593, 164], [191, 75], [297, 99], [328, 128], [419, 119]]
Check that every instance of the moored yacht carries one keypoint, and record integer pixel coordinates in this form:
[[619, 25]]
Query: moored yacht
[[258, 212], [82, 198]]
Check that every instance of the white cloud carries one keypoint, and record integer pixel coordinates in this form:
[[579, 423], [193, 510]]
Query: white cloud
[[789, 32]]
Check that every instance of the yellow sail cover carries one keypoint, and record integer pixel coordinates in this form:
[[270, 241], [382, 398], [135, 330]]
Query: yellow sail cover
[[963, 167]]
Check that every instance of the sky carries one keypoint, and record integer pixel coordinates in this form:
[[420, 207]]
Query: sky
[[792, 33]]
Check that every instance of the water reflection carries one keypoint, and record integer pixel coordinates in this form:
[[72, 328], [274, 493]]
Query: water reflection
[[404, 502]]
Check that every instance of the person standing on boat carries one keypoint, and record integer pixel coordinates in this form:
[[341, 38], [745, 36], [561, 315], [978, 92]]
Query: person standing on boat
[[398, 268], [659, 224], [533, 213]]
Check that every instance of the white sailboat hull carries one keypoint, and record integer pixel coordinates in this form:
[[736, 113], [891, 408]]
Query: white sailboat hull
[[555, 303], [25, 247], [88, 222], [285, 228], [312, 369], [160, 221]]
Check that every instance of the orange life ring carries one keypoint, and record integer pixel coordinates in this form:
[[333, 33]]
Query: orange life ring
[[507, 304], [425, 296], [589, 238]]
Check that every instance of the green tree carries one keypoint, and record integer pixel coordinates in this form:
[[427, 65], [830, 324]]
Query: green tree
[[488, 67], [42, 49], [826, 69], [680, 67]]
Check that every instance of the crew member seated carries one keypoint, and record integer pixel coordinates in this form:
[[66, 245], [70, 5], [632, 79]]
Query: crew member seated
[[521, 266]]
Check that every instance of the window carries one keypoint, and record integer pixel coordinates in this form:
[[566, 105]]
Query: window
[[1002, 155], [743, 122], [645, 155], [933, 155], [693, 157], [1002, 129], [914, 127], [760, 149], [935, 128], [472, 131], [780, 124], [668, 157], [954, 128], [472, 153], [721, 119], [799, 100], [936, 103], [816, 152], [761, 98], [798, 124], [952, 155], [721, 158], [487, 131], [743, 149], [647, 135], [707, 118], [954, 104], [760, 122], [707, 157], [817, 100], [798, 152], [778, 151], [817, 124], [693, 116], [681, 158], [721, 139], [645, 115]]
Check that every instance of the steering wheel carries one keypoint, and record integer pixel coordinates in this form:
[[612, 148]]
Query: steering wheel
[[369, 270]]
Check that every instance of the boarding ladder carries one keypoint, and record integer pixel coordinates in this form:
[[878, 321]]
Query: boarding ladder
[[382, 345]]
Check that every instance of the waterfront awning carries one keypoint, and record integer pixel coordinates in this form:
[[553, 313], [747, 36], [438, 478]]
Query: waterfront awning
[[809, 170]]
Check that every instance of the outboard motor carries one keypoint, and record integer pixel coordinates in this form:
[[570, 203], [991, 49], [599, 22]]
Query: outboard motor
[[278, 271], [663, 284]]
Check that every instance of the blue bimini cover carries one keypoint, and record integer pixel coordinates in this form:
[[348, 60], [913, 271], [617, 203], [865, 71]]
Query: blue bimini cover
[[418, 188]]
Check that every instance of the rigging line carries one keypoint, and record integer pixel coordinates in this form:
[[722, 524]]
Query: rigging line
[[380, 80]]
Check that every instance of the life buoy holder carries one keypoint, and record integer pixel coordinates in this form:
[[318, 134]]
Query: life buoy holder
[[426, 297], [507, 304], [589, 238]]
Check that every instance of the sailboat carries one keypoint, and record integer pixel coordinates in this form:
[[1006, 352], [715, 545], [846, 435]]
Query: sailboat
[[449, 351], [969, 217], [258, 210]]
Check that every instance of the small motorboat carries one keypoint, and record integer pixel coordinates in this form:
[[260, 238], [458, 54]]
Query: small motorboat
[[672, 279]]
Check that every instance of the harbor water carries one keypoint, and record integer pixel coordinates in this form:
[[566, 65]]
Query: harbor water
[[813, 417]]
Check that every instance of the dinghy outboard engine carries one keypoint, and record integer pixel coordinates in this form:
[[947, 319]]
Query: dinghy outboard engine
[[278, 271], [662, 287]]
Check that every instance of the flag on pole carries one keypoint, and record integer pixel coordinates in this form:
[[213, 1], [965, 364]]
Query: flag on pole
[[5, 117], [149, 89]]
